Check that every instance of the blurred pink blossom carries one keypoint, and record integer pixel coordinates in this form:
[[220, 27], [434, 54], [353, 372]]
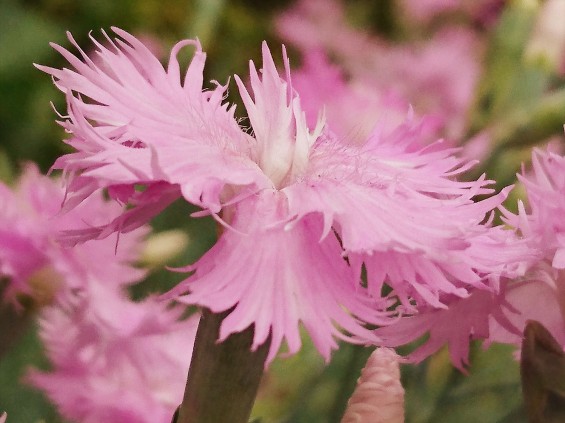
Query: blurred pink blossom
[[379, 395], [305, 211], [547, 41], [355, 107], [114, 360], [30, 224], [111, 356], [437, 76]]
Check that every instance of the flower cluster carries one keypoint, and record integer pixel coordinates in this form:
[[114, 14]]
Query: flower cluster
[[336, 234]]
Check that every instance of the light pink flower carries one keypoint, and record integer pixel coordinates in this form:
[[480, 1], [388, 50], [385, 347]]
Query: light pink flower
[[305, 212], [542, 225], [114, 360], [30, 224], [543, 228], [379, 395], [535, 298], [3, 418], [537, 294], [547, 42]]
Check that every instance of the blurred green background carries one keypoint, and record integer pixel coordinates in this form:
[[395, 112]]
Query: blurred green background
[[301, 389]]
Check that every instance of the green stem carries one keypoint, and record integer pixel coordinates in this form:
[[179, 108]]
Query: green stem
[[12, 326], [224, 378]]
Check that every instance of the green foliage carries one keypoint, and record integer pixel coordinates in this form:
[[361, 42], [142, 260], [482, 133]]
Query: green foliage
[[23, 403]]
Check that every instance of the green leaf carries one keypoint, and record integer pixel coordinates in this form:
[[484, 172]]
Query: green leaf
[[509, 81], [25, 38], [23, 403]]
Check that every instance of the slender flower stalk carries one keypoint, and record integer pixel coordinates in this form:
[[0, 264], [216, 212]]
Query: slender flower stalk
[[240, 369]]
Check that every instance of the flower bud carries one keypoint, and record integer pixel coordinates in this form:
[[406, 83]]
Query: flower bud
[[379, 396], [547, 44]]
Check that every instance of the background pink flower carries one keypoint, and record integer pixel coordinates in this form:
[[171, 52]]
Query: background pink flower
[[114, 360], [484, 11], [542, 227], [32, 260], [437, 76], [536, 294]]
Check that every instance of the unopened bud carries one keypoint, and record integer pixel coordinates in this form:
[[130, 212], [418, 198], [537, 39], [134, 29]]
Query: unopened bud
[[162, 247], [547, 44], [379, 396], [45, 284]]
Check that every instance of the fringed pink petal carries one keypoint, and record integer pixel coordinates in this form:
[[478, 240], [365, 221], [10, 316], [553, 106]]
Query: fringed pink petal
[[132, 120], [464, 319], [278, 279]]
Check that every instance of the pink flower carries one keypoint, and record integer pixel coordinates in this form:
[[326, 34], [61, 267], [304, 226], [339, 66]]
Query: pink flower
[[437, 76], [542, 227], [114, 360], [305, 212], [501, 316], [30, 223], [3, 418], [379, 396]]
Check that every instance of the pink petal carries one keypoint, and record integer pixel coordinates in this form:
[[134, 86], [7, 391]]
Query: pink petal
[[278, 278]]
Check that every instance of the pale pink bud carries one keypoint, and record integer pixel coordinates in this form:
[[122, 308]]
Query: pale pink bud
[[160, 248], [547, 45], [379, 396], [3, 418]]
